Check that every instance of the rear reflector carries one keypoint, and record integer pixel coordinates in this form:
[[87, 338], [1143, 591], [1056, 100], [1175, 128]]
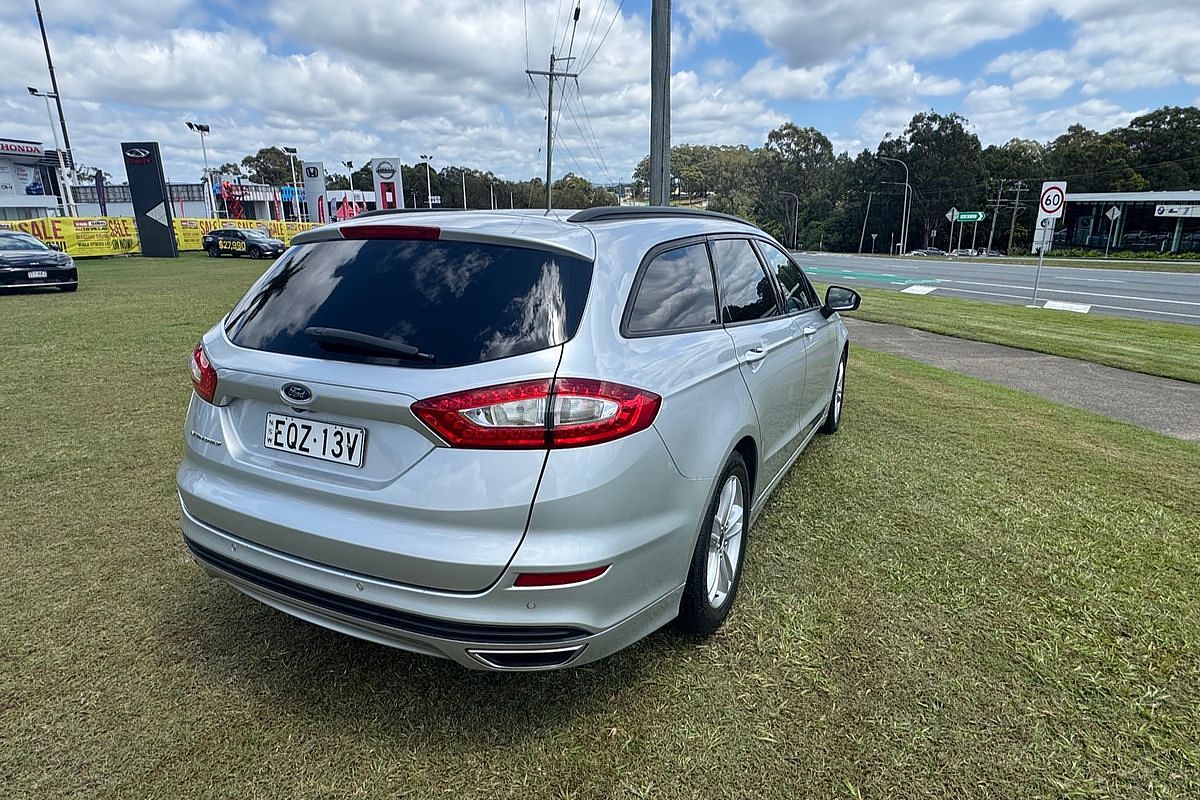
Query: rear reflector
[[565, 412], [390, 232], [527, 579]]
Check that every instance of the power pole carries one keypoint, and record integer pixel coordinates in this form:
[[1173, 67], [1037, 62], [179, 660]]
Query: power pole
[[996, 213], [660, 103], [1012, 228], [550, 76]]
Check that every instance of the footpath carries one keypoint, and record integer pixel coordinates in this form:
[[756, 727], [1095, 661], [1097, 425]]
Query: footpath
[[1160, 404]]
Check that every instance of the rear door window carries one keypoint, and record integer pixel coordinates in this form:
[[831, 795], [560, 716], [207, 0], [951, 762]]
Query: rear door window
[[675, 293], [798, 294], [746, 290], [461, 302]]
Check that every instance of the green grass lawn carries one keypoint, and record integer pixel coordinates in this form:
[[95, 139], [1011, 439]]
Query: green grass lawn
[[1157, 348], [966, 593]]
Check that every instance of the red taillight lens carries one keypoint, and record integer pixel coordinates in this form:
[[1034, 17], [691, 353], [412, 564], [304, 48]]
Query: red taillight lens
[[566, 412], [529, 579], [390, 232], [204, 376]]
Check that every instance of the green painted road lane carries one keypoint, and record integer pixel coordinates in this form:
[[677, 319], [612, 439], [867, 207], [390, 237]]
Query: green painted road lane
[[873, 277]]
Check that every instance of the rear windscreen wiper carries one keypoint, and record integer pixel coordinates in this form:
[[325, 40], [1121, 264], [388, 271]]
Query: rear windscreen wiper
[[339, 337]]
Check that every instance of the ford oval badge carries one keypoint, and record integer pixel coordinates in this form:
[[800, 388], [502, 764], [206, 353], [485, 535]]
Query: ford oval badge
[[296, 393]]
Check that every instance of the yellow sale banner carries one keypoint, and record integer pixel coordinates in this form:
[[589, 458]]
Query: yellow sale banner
[[115, 236], [83, 236], [190, 232]]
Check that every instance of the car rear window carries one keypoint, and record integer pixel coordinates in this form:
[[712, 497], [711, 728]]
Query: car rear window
[[461, 302]]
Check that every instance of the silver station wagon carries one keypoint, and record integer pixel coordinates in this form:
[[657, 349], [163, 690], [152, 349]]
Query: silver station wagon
[[519, 441]]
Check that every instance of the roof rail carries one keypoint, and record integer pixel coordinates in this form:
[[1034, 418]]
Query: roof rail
[[602, 213]]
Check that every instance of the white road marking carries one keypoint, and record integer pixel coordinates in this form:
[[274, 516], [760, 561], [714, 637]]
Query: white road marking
[[919, 290], [1086, 294], [1061, 305]]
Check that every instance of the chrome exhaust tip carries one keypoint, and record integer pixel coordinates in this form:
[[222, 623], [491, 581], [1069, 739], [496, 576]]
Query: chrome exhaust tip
[[510, 660]]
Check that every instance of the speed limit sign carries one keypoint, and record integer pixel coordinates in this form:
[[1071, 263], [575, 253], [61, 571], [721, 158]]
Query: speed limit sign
[[1053, 200]]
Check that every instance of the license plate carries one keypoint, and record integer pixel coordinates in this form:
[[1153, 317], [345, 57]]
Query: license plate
[[307, 437], [37, 273]]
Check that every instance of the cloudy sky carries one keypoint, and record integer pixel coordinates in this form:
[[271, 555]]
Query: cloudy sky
[[352, 79]]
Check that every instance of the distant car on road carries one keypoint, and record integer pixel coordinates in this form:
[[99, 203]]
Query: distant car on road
[[28, 262], [991, 253], [963, 252], [242, 242], [927, 251]]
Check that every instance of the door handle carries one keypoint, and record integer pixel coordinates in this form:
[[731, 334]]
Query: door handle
[[755, 354], [809, 330]]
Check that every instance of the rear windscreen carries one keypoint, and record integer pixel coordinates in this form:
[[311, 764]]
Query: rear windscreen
[[461, 302]]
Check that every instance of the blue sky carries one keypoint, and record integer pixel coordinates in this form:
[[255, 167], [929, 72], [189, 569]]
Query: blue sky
[[355, 79]]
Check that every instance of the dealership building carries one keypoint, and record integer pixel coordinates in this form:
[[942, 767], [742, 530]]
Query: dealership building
[[28, 180], [1166, 222]]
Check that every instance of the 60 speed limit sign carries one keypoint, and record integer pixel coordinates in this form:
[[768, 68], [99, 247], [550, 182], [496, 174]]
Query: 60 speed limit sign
[[1053, 199]]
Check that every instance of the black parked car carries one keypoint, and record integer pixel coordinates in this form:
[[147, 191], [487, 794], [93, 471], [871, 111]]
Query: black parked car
[[27, 261], [242, 242]]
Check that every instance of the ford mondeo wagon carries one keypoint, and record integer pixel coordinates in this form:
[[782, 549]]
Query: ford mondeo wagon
[[515, 440]]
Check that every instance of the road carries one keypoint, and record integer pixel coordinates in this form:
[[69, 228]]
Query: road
[[1163, 296]]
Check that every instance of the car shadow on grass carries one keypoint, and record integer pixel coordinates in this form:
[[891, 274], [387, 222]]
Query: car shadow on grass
[[302, 669]]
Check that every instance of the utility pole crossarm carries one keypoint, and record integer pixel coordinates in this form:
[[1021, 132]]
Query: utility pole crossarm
[[550, 75]]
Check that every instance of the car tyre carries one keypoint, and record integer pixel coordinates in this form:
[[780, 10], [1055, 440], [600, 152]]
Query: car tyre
[[255, 253], [833, 419], [716, 568], [212, 252]]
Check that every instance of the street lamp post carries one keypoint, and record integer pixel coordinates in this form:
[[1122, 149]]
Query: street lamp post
[[907, 204], [349, 165], [291, 154], [795, 215], [428, 186], [54, 93], [67, 201], [203, 130]]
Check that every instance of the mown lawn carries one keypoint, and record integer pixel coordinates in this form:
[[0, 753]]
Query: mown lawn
[[966, 593], [1157, 348]]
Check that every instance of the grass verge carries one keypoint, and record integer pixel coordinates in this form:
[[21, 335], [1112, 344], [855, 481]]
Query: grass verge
[[1155, 348], [967, 592]]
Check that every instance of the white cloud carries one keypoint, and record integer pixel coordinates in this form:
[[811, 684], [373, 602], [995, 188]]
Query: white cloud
[[768, 77], [881, 75]]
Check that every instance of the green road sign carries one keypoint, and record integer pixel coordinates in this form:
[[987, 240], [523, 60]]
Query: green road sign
[[971, 216]]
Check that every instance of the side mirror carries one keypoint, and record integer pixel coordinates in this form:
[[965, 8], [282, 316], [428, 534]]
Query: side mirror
[[54, 246], [839, 298]]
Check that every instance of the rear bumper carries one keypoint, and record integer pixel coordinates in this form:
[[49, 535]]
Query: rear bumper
[[499, 629], [18, 277]]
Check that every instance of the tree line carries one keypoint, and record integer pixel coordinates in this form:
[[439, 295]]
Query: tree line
[[796, 179]]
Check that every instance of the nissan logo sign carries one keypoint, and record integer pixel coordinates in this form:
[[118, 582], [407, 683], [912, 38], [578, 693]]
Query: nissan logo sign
[[385, 170]]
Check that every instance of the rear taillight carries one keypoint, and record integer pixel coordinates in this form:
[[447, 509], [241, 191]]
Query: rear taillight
[[565, 412], [204, 376]]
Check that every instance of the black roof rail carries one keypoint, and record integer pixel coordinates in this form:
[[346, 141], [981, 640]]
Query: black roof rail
[[602, 213]]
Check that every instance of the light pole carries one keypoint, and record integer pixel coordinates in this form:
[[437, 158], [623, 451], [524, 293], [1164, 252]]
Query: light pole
[[349, 165], [62, 118], [428, 188], [866, 216], [907, 204], [291, 154], [203, 130], [795, 215], [68, 199]]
